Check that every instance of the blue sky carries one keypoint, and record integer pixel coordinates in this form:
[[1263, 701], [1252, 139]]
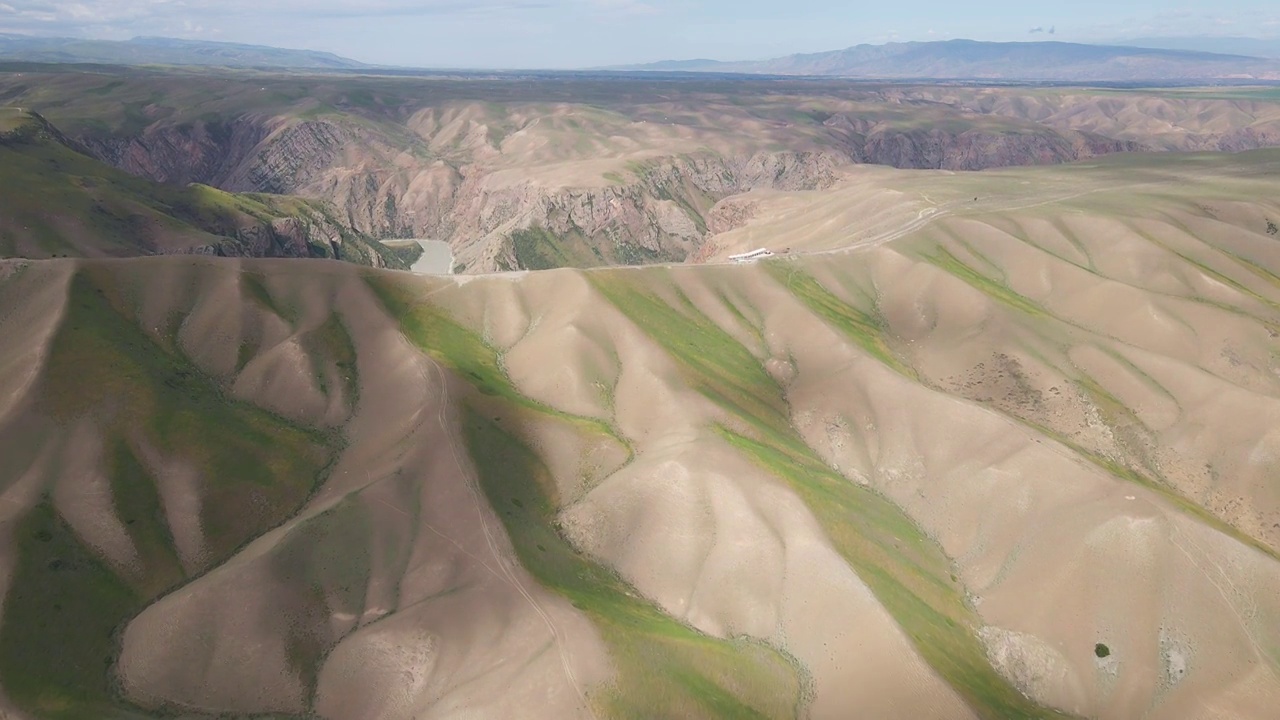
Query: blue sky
[[586, 33]]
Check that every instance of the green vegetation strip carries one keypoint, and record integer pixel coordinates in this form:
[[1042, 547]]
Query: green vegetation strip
[[332, 353], [537, 248], [866, 329], [61, 614], [664, 668], [257, 466], [907, 571], [943, 258], [66, 603], [323, 567], [1205, 268], [1186, 505], [137, 504], [466, 353], [1119, 414]]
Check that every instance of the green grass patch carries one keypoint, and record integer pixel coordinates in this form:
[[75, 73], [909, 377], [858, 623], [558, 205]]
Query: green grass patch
[[448, 342], [747, 323], [57, 641], [137, 505], [907, 571], [254, 286], [867, 330], [63, 608], [330, 349], [720, 367], [994, 289], [324, 565], [537, 248], [467, 354], [256, 467], [664, 669]]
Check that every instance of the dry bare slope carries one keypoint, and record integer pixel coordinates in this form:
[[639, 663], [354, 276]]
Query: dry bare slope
[[1015, 461]]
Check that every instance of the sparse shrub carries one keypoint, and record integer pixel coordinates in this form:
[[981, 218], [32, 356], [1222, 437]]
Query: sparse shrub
[[1271, 227]]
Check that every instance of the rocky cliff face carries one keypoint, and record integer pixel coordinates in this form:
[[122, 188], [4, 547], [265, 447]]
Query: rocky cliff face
[[200, 152], [309, 237], [438, 176], [659, 214], [63, 202], [964, 148], [935, 149], [657, 211], [654, 212], [1250, 138]]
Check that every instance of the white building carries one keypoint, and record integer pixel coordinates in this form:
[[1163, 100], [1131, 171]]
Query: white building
[[753, 255]]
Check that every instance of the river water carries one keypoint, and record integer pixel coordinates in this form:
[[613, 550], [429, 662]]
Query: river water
[[437, 258]]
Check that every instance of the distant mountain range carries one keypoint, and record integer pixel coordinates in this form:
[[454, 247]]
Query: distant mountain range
[[1144, 59], [166, 51], [971, 59], [1256, 47]]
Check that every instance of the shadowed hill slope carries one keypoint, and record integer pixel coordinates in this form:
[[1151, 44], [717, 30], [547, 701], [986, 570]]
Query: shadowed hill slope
[[61, 202], [1013, 461]]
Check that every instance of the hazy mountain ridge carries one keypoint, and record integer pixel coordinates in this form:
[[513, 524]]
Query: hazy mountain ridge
[[971, 59], [166, 51], [1251, 46], [60, 201]]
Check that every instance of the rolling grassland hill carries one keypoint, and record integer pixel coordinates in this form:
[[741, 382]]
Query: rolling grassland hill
[[1009, 457], [536, 171]]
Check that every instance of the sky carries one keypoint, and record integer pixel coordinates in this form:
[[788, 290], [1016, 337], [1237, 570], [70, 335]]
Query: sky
[[595, 33]]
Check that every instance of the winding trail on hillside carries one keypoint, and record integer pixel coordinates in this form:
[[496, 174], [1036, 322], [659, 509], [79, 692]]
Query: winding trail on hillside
[[504, 572]]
